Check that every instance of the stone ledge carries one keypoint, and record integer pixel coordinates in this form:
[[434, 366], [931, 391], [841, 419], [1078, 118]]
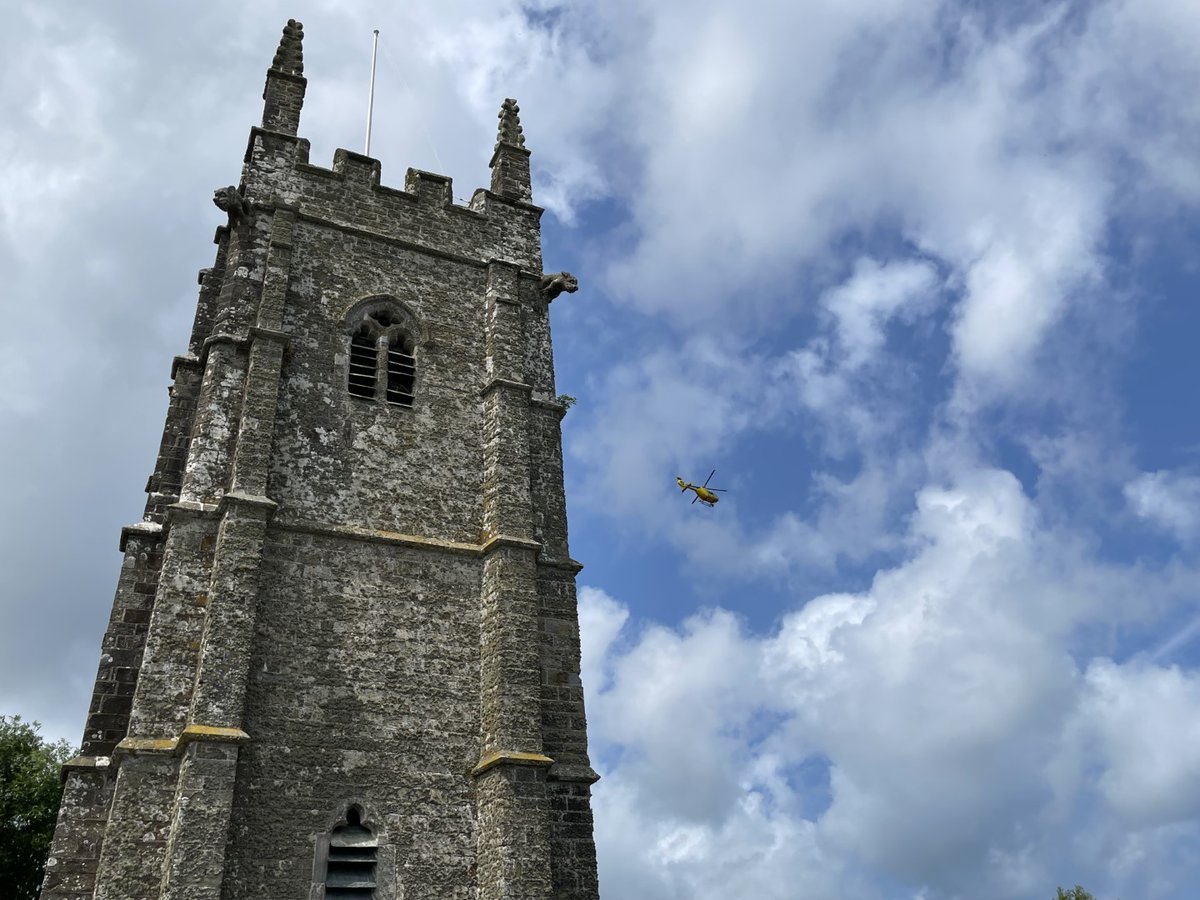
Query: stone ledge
[[506, 383], [559, 409], [213, 734], [191, 508], [140, 530], [573, 772], [184, 362], [279, 337], [84, 765], [87, 762], [496, 758], [508, 147], [222, 337], [354, 532], [508, 263], [130, 745], [484, 197], [507, 540], [573, 566], [301, 144], [253, 501]]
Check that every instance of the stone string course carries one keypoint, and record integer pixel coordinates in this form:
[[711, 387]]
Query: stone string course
[[337, 603]]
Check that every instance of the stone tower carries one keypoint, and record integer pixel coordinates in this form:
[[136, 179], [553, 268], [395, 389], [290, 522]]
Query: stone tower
[[343, 658]]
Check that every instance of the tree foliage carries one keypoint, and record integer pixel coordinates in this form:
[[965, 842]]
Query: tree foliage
[[1076, 893], [30, 792]]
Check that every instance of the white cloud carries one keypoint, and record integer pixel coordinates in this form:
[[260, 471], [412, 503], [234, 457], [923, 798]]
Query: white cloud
[[965, 169], [523, 51], [678, 411], [601, 619], [864, 304], [673, 409], [960, 131], [1167, 500], [947, 705], [1146, 720]]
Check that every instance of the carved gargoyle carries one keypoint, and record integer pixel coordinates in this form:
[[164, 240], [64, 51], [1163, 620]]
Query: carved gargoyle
[[559, 282], [228, 200]]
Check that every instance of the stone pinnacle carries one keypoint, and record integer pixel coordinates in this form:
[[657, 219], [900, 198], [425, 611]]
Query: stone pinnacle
[[289, 58], [510, 125]]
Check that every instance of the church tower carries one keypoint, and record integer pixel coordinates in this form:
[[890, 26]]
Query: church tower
[[343, 657]]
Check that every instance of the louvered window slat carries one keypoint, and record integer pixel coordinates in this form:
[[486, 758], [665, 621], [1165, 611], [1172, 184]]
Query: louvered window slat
[[363, 367], [397, 367], [350, 860], [401, 374]]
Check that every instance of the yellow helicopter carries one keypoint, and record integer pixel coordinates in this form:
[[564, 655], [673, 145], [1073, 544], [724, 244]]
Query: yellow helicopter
[[703, 492]]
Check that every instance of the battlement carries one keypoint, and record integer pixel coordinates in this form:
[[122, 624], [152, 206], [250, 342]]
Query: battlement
[[497, 223], [277, 172]]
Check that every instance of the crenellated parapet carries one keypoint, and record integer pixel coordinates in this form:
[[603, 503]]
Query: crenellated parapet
[[350, 193], [499, 222]]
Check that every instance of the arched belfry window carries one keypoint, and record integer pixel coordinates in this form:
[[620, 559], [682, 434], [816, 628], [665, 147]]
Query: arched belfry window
[[383, 364], [350, 860]]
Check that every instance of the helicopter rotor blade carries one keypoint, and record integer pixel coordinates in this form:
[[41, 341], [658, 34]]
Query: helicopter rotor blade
[[709, 478], [694, 499]]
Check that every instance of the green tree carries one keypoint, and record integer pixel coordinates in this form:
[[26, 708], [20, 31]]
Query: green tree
[[30, 792], [1076, 893]]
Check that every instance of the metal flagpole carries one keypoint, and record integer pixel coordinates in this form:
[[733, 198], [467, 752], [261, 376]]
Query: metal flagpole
[[371, 93]]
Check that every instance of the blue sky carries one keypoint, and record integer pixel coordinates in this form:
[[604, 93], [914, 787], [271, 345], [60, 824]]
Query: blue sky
[[918, 279]]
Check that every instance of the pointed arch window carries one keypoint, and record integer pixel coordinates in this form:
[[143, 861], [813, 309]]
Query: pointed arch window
[[350, 860], [383, 364]]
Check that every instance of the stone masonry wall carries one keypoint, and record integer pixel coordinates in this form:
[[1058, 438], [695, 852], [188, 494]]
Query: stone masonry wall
[[342, 459], [364, 690], [121, 650], [335, 603], [79, 833]]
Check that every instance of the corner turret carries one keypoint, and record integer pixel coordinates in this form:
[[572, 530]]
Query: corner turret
[[283, 94], [510, 161]]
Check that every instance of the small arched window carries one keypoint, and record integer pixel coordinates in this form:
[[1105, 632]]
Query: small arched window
[[382, 361], [350, 861]]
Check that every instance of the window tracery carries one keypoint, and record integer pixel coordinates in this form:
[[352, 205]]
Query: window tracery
[[383, 364]]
